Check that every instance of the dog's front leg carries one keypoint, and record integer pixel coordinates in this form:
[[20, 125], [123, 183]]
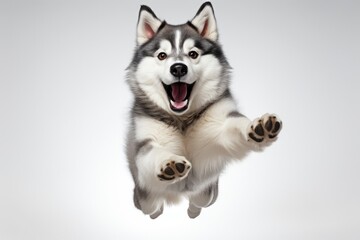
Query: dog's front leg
[[240, 135], [160, 157], [224, 133]]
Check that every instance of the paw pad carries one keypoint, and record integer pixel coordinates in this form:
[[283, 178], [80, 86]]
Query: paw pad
[[265, 129], [173, 170]]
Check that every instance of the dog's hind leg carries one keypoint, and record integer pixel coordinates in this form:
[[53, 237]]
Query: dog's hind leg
[[147, 203], [157, 213], [202, 199], [140, 195]]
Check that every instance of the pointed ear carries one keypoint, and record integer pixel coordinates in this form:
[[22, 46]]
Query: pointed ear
[[147, 26], [205, 22]]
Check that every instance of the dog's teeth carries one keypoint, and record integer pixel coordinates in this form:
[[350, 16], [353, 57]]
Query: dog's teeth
[[179, 105]]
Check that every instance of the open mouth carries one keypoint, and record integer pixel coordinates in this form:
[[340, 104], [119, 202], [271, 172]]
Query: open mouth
[[179, 95]]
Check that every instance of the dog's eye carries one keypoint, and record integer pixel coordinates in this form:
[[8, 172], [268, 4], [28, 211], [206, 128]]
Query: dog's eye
[[162, 56], [193, 54]]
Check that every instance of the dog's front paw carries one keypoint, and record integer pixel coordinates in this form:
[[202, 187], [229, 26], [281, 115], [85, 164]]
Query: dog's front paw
[[174, 170], [265, 129]]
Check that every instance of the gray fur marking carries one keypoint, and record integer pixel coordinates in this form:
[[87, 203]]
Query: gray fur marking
[[143, 147], [139, 194], [235, 114]]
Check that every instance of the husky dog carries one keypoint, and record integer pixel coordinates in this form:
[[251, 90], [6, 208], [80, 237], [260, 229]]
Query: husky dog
[[185, 126]]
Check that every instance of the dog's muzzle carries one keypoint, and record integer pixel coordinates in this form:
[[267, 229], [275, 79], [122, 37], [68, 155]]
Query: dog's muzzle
[[178, 92]]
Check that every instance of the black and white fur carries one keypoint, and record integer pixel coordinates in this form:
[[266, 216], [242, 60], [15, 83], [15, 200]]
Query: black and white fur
[[185, 126]]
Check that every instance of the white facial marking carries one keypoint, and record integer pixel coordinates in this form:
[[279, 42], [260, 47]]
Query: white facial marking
[[188, 45], [177, 41], [165, 46]]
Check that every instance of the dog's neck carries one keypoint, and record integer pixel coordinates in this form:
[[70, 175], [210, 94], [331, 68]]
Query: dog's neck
[[144, 107]]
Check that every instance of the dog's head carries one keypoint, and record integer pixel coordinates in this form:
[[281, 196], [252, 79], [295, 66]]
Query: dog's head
[[180, 68]]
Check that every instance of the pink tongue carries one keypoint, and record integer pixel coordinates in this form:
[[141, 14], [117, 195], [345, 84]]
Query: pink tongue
[[179, 91]]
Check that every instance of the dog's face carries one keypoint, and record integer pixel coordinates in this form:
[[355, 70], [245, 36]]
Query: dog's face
[[182, 67]]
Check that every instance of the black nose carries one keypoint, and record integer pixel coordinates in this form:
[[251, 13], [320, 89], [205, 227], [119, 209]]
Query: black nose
[[178, 69]]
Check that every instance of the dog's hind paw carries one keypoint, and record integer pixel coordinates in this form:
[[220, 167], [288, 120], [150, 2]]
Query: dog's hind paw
[[265, 129], [173, 170]]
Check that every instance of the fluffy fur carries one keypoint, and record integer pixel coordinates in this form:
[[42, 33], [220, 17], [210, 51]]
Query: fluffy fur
[[185, 126]]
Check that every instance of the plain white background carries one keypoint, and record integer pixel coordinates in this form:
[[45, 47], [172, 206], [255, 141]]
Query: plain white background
[[64, 106]]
